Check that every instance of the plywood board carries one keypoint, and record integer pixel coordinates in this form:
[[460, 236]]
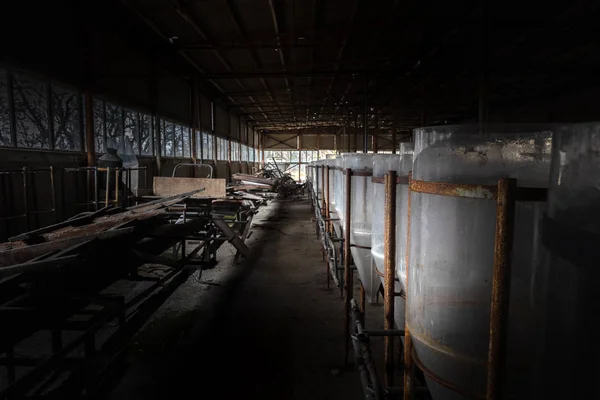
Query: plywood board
[[165, 186]]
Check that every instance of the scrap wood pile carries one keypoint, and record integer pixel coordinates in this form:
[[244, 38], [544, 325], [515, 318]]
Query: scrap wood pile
[[270, 180]]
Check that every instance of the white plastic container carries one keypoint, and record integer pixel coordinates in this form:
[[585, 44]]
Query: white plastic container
[[452, 253], [360, 223], [569, 336]]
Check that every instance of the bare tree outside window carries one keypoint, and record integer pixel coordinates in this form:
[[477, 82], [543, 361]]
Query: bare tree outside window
[[5, 136], [186, 142], [207, 149], [167, 139], [199, 144], [99, 126], [235, 151], [178, 140], [65, 114], [114, 126], [131, 132], [146, 135], [31, 112]]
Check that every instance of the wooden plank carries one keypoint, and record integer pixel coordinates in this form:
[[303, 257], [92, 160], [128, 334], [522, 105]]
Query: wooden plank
[[166, 186]]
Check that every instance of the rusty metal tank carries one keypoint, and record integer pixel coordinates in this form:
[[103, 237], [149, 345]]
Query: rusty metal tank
[[452, 251]]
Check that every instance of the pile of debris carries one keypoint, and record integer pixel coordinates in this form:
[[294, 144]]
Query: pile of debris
[[269, 179]]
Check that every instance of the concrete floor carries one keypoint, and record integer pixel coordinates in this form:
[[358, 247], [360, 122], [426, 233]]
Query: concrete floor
[[270, 330]]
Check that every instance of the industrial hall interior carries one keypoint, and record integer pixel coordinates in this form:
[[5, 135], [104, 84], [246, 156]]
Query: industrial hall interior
[[299, 199]]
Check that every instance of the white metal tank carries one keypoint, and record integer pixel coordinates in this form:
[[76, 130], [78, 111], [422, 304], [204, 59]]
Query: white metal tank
[[360, 224], [569, 336], [317, 178], [339, 189], [452, 256], [332, 163], [401, 163]]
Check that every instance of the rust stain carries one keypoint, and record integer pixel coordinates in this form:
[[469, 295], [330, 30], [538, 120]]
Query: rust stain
[[454, 189]]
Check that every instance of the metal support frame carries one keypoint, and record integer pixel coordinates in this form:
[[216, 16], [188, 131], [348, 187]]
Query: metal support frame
[[389, 261], [327, 216], [323, 231], [409, 368], [146, 235], [27, 175], [348, 278]]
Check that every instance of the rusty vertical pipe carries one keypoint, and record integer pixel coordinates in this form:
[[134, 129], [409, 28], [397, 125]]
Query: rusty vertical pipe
[[323, 191], [316, 173], [363, 302], [107, 186], [505, 218], [326, 188], [327, 222], [389, 260], [408, 346], [347, 261]]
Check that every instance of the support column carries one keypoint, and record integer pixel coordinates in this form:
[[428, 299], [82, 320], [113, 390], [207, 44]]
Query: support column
[[389, 262], [366, 120], [505, 220], [395, 128], [355, 149], [89, 129], [408, 346], [327, 222], [348, 274], [195, 111]]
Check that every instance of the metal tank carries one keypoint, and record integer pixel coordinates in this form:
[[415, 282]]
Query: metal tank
[[317, 178], [382, 164], [331, 162], [360, 220], [452, 255], [569, 338], [339, 189], [335, 176]]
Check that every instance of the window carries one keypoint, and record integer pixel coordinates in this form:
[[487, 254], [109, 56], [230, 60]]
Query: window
[[5, 132], [244, 152], [99, 134], [207, 143], [66, 118], [147, 144], [187, 146], [294, 154], [131, 132], [114, 126], [235, 151], [167, 138], [199, 144], [307, 156], [178, 140], [222, 149], [31, 112]]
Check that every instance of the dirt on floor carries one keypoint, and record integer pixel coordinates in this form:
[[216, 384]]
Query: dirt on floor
[[267, 328]]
